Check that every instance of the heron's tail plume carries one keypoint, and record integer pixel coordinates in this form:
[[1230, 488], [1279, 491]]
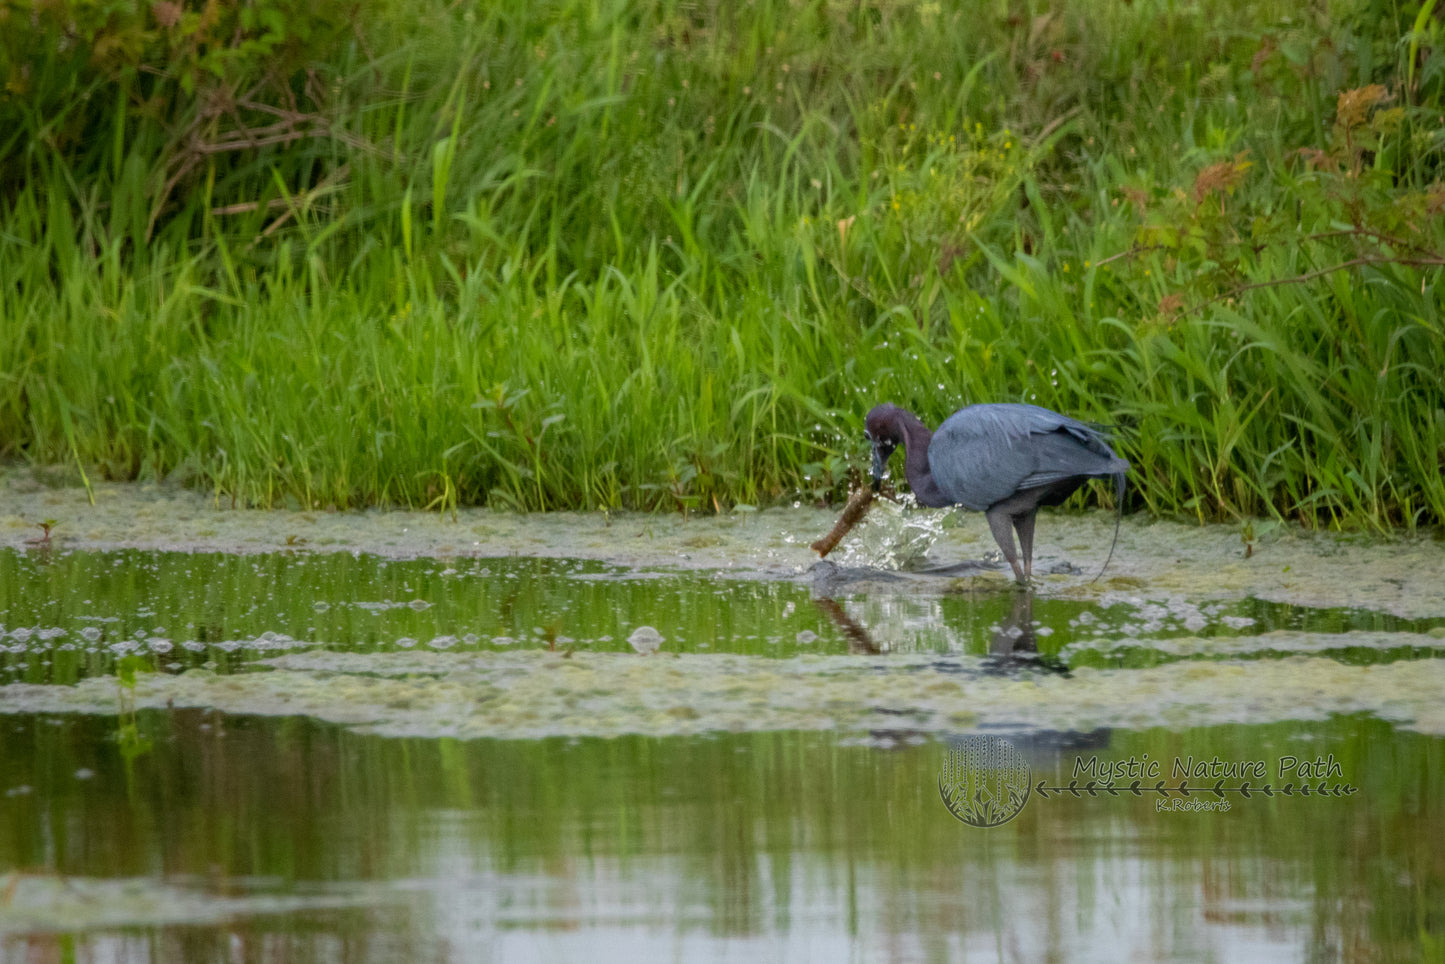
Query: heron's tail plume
[[1118, 515]]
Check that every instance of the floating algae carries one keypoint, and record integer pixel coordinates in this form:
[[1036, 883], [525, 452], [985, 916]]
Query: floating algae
[[1354, 647], [527, 695]]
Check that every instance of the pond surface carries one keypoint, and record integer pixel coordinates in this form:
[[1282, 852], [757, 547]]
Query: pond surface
[[244, 838], [369, 739], [68, 614]]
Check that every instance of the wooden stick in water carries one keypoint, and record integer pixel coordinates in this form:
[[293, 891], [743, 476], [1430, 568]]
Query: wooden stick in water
[[853, 513]]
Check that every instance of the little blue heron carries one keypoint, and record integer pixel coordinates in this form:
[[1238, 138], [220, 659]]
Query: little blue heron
[[1004, 460]]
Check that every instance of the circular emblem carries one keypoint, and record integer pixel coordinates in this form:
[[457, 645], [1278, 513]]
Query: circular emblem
[[985, 781]]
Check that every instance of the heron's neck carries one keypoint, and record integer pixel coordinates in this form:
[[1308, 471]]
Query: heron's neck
[[916, 438]]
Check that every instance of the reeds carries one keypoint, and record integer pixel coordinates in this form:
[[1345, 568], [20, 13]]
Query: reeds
[[589, 255]]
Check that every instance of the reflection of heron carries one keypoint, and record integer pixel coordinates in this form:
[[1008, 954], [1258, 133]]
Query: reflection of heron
[[1015, 635], [1057, 746], [1014, 645]]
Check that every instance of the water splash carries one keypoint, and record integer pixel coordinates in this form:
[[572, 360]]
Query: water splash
[[893, 536]]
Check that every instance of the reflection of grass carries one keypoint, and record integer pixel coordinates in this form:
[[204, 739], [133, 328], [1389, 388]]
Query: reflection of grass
[[727, 813], [220, 604], [128, 734], [596, 255]]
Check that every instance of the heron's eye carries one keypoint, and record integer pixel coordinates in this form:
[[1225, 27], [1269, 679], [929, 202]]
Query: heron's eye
[[868, 435]]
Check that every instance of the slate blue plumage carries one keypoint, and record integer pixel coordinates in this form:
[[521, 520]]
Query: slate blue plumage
[[1005, 460]]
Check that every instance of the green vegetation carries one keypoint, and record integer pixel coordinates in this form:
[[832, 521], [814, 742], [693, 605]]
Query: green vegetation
[[567, 254]]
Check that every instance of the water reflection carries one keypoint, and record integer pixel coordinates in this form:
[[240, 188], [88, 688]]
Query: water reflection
[[242, 838], [66, 615], [1016, 635], [1012, 641], [859, 641]]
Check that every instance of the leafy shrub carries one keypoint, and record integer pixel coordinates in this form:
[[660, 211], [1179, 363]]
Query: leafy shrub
[[80, 77]]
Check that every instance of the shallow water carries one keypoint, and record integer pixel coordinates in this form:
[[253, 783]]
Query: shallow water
[[365, 738], [67, 614]]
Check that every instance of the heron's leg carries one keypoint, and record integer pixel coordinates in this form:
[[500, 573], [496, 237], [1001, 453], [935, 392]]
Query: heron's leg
[[1001, 524], [1024, 524]]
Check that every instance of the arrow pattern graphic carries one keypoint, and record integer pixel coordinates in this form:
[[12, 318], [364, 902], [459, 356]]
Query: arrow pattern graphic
[[1183, 789]]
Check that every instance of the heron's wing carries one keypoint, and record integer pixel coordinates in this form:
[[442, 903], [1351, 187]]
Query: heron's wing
[[1062, 455], [985, 453]]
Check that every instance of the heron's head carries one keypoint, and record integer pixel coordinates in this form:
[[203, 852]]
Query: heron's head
[[883, 432]]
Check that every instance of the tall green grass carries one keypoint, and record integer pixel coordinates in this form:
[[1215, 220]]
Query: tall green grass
[[591, 254]]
